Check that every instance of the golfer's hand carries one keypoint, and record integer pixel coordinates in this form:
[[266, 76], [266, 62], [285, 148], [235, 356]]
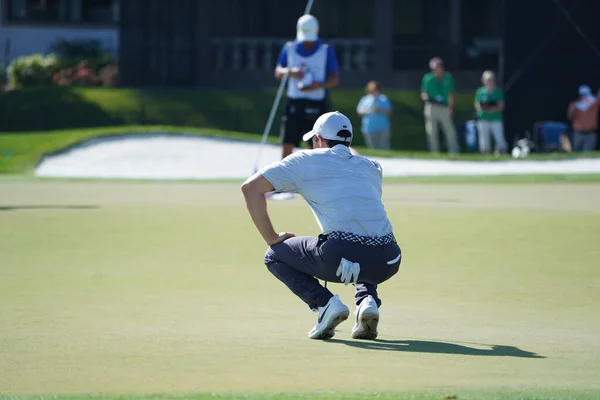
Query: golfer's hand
[[280, 238], [296, 72], [348, 271], [313, 86]]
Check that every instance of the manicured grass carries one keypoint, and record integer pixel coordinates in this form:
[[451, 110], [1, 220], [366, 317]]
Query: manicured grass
[[121, 289], [432, 395], [56, 108], [492, 179], [21, 152]]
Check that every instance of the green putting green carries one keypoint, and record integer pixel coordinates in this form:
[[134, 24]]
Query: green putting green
[[128, 289]]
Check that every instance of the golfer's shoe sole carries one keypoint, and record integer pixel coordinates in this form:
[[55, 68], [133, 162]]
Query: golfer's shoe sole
[[329, 331], [366, 328]]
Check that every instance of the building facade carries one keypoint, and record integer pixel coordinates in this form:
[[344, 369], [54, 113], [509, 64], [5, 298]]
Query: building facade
[[235, 43], [31, 26]]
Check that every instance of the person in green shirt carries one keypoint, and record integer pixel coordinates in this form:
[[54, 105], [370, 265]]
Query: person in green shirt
[[437, 91], [489, 105]]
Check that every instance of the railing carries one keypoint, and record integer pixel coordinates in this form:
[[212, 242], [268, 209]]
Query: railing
[[260, 54]]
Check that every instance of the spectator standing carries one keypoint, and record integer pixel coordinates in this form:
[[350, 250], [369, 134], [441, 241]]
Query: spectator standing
[[583, 114], [437, 91], [489, 105], [375, 109]]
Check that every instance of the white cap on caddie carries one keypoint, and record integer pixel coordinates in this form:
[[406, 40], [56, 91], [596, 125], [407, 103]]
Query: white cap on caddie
[[307, 28], [330, 126]]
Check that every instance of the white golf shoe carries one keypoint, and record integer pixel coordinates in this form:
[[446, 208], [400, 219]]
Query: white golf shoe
[[367, 319], [330, 316]]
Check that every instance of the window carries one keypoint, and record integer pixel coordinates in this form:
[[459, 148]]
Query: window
[[408, 18], [98, 10], [277, 18], [33, 10], [344, 18], [409, 34], [63, 11], [481, 19]]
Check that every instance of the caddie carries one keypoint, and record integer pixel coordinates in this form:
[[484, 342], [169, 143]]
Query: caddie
[[313, 69]]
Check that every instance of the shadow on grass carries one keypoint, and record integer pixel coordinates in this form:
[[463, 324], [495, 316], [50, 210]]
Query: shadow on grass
[[423, 346], [47, 108], [48, 207], [233, 110]]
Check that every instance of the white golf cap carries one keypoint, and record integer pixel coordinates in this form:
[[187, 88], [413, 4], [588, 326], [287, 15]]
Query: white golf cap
[[330, 125], [584, 90], [307, 28]]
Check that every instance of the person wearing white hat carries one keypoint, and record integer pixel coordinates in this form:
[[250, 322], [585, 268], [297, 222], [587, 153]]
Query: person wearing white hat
[[583, 114], [356, 245], [313, 69], [489, 106]]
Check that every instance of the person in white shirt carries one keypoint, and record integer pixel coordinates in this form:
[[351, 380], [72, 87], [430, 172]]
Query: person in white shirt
[[357, 244]]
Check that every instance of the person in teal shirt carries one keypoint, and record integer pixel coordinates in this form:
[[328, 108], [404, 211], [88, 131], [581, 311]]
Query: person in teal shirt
[[375, 109], [489, 105]]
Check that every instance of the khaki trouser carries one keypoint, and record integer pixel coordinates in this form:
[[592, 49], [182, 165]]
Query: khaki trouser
[[436, 115], [486, 130], [378, 140]]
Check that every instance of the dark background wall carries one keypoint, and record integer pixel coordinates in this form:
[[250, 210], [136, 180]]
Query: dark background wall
[[547, 47], [235, 43], [546, 58]]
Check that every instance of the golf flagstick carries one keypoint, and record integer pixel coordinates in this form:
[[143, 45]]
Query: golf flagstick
[[275, 105], [274, 108]]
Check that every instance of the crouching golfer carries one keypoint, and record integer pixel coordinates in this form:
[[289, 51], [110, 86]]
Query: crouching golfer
[[357, 243]]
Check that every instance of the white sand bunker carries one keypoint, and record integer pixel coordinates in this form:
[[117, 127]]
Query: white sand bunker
[[169, 156]]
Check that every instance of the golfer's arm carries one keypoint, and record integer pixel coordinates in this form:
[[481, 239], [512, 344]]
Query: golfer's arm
[[333, 79], [281, 72], [254, 190]]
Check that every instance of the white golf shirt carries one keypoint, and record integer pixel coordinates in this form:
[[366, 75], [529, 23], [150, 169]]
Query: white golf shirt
[[343, 190]]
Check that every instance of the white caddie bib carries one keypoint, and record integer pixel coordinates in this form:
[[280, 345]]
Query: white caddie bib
[[314, 68]]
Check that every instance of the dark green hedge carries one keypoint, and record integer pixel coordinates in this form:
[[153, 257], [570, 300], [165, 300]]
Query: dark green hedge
[[51, 108]]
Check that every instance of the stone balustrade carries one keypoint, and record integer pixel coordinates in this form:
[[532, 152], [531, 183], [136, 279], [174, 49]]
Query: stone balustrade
[[256, 54]]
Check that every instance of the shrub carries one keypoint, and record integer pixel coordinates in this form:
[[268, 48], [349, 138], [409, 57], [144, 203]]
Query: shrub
[[109, 75], [3, 76], [95, 64], [81, 75], [72, 52], [33, 70], [77, 48]]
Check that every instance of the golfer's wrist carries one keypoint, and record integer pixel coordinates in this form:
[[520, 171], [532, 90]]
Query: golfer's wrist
[[271, 238]]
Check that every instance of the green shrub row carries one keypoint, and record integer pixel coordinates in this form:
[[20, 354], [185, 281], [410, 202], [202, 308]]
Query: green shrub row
[[82, 62]]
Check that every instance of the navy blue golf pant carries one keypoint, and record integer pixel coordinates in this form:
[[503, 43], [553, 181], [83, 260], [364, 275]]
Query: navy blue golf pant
[[300, 262]]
